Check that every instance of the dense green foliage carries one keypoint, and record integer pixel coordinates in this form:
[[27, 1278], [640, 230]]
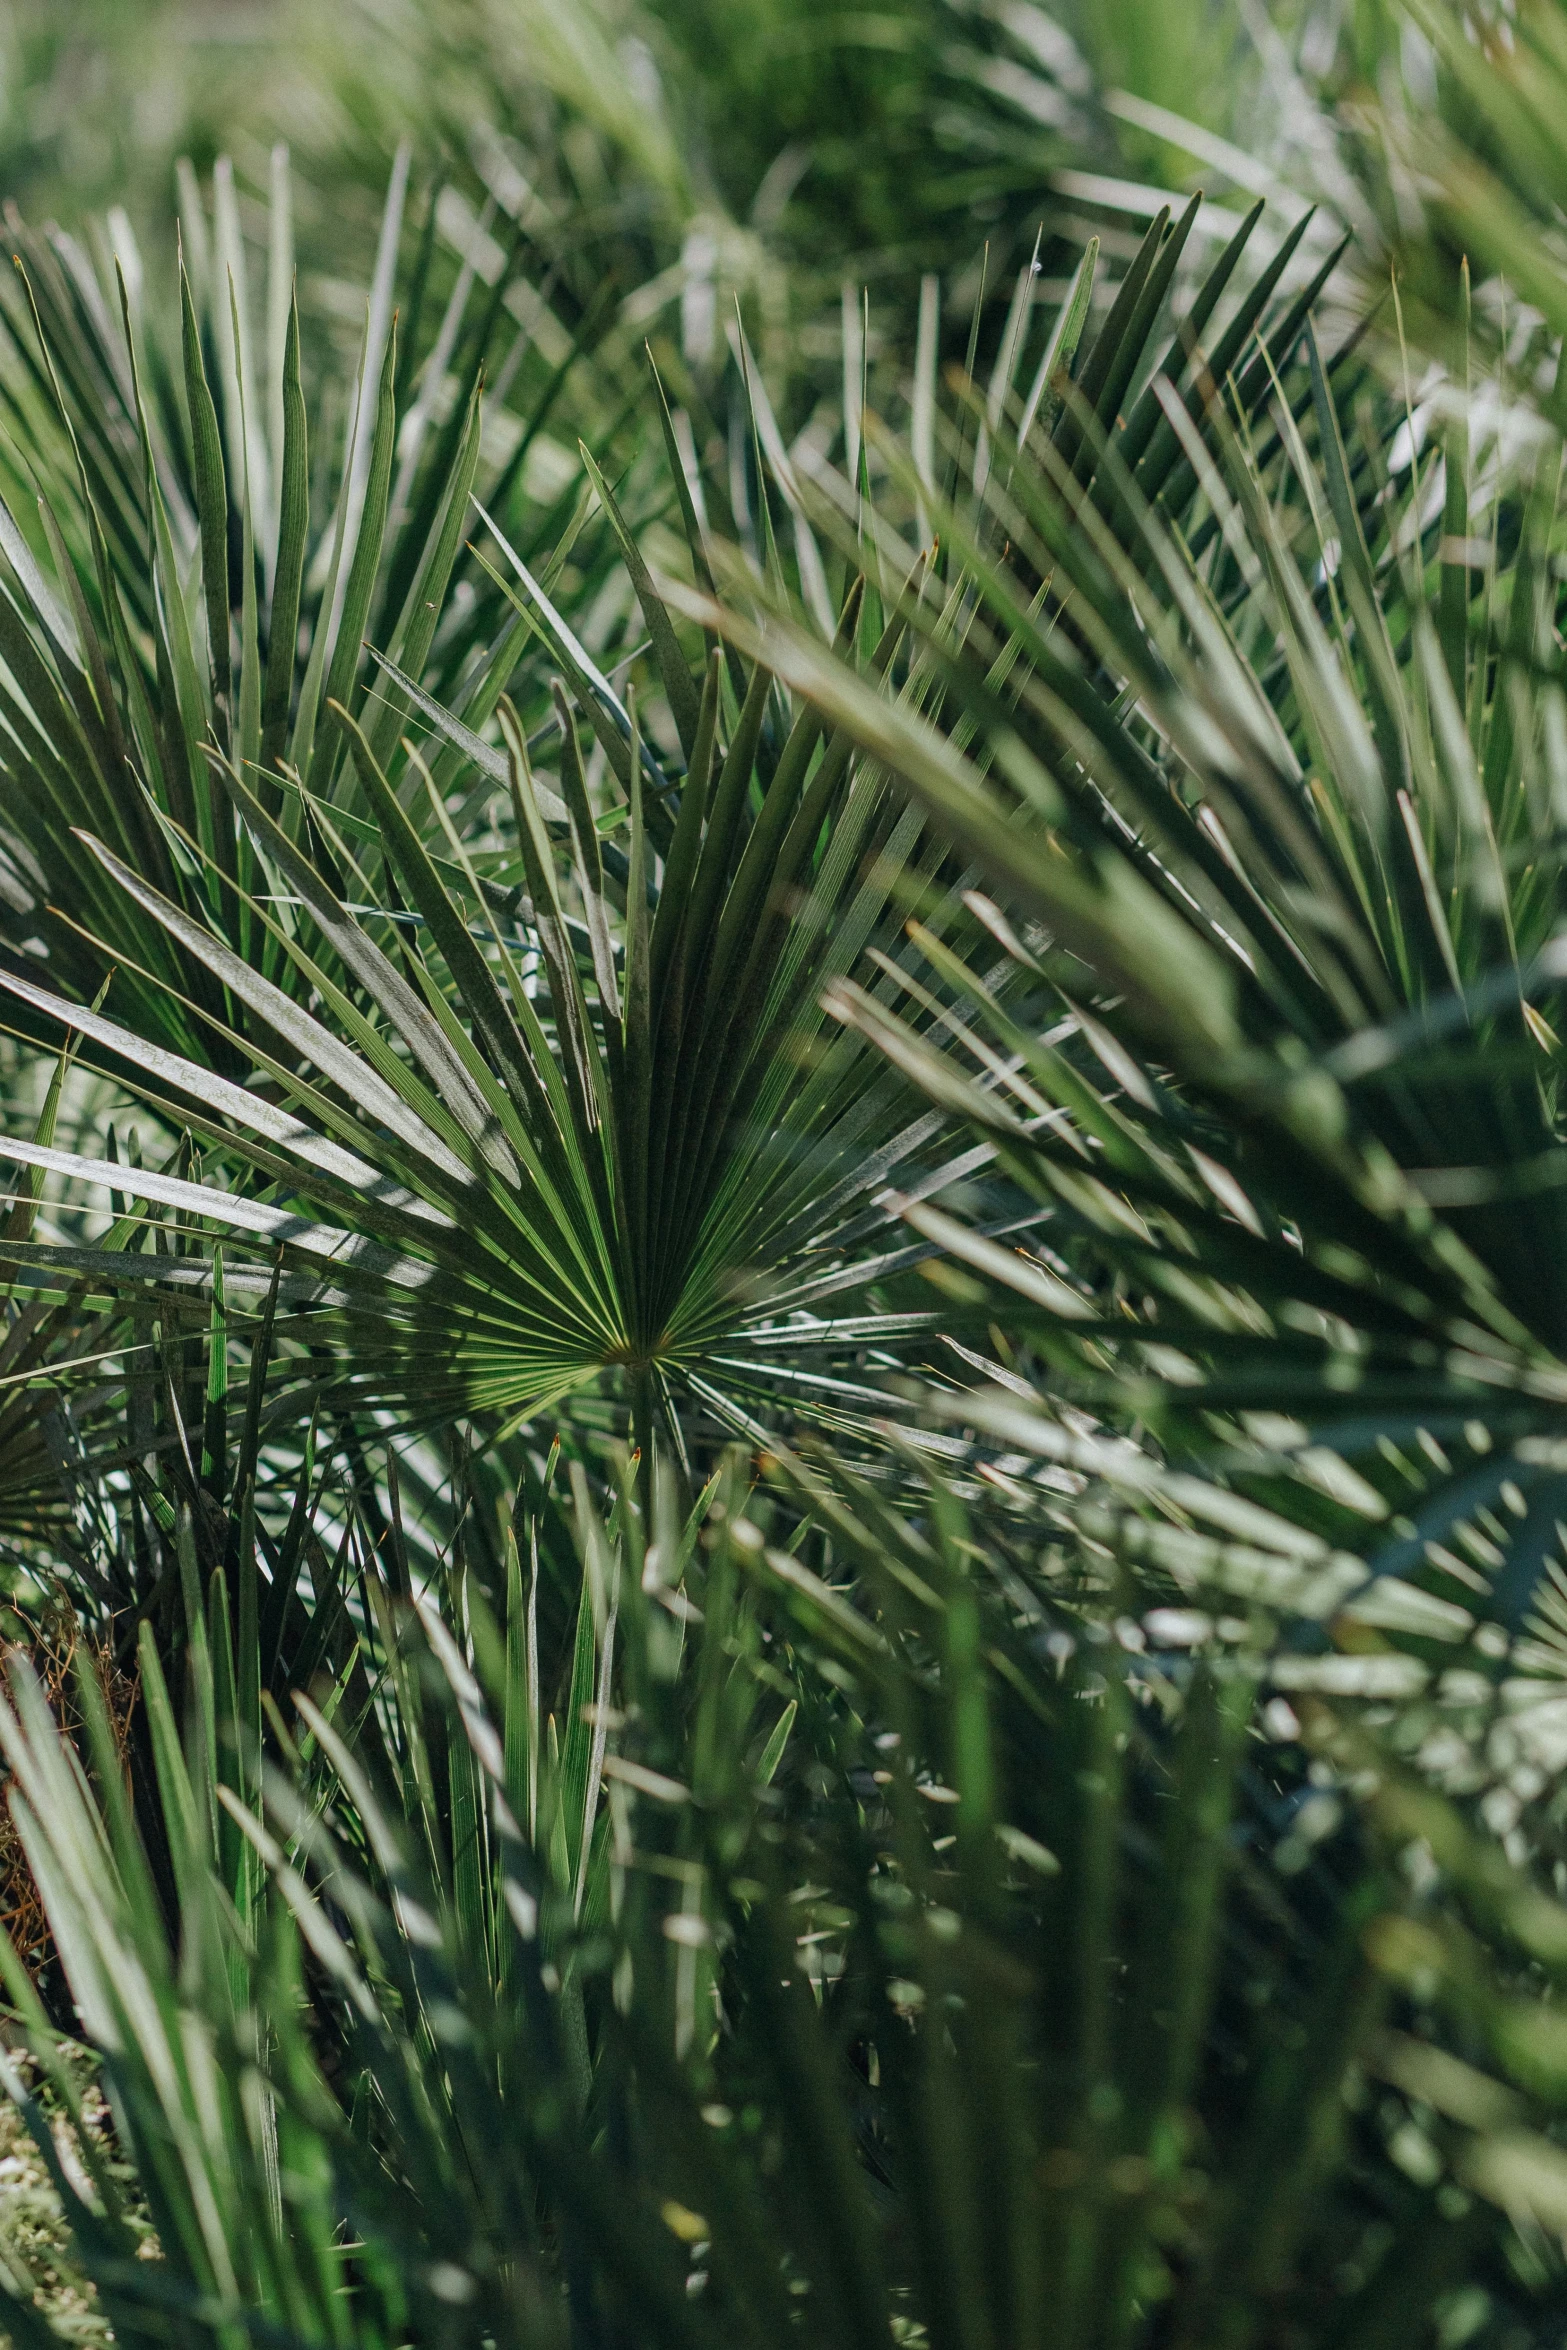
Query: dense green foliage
[[783, 1241]]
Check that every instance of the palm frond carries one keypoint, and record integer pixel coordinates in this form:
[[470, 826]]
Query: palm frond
[[885, 1891], [669, 1181], [191, 570]]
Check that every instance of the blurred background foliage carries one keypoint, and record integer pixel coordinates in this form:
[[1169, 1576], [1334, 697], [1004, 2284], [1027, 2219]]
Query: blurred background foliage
[[878, 143]]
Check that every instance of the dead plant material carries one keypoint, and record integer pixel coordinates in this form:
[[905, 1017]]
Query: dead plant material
[[52, 1650]]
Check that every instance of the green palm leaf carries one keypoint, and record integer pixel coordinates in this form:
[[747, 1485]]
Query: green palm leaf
[[217, 561], [1281, 909], [624, 1141]]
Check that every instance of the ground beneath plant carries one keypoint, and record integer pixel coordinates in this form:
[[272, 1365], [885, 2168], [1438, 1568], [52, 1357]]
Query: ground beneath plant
[[35, 2242]]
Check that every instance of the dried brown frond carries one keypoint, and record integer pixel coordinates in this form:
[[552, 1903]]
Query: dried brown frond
[[51, 1650]]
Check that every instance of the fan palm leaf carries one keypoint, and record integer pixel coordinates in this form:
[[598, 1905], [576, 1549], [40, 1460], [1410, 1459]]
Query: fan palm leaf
[[1290, 857], [668, 1181], [1264, 825], [192, 567]]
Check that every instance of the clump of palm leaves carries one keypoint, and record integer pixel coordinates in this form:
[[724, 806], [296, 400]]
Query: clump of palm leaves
[[580, 1187], [1027, 995], [190, 569], [620, 1149], [885, 1966]]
